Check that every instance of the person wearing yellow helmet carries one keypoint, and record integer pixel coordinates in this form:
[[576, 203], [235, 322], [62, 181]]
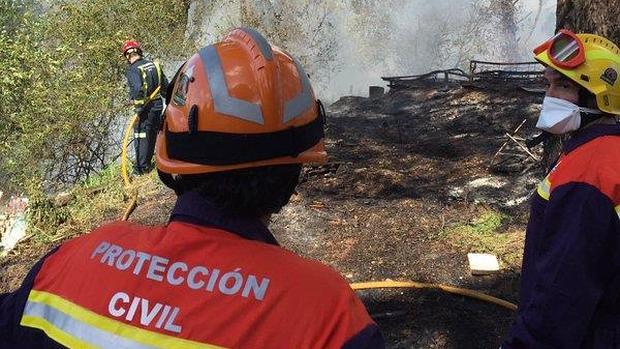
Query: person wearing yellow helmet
[[570, 282], [241, 120]]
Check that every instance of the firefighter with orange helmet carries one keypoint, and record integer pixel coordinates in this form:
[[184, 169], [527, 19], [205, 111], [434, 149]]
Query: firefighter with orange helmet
[[241, 120], [570, 280], [146, 82]]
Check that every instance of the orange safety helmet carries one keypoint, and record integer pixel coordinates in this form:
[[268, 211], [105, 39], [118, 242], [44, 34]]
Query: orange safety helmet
[[239, 103]]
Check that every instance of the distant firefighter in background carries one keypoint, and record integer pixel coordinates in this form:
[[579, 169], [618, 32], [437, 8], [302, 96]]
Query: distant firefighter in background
[[570, 281], [146, 82]]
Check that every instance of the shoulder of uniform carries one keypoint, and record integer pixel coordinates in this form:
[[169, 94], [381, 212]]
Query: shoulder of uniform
[[327, 298], [133, 68], [595, 164], [314, 277], [144, 62], [114, 229]]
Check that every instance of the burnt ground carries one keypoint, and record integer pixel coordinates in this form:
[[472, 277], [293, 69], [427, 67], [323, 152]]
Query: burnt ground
[[406, 173], [403, 170]]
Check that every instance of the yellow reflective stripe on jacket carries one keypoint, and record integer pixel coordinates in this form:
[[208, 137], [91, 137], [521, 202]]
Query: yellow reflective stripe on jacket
[[544, 188], [54, 333], [145, 87], [76, 327], [158, 68], [155, 93], [618, 211]]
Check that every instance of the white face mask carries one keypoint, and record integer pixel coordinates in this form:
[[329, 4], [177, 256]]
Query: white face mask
[[559, 116]]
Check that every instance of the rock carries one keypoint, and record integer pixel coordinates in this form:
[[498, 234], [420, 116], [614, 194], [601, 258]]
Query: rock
[[15, 231]]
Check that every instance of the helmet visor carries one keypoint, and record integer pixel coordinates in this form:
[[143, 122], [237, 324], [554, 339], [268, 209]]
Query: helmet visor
[[564, 48]]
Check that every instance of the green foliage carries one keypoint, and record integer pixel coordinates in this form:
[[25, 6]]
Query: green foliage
[[101, 197], [44, 216], [62, 95], [487, 234]]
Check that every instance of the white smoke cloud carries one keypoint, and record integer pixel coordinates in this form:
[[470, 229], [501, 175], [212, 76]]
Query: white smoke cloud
[[348, 45]]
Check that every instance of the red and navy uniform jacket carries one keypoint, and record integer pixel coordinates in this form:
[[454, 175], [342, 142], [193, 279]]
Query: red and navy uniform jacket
[[206, 280], [570, 281]]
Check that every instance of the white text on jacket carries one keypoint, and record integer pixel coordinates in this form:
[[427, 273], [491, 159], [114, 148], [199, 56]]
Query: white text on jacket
[[177, 273]]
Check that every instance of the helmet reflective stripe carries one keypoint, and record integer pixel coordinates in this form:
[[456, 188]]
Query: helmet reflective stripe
[[303, 100], [262, 43], [226, 104], [223, 102]]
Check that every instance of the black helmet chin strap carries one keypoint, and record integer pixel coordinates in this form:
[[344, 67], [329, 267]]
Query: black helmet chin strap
[[587, 104], [587, 118], [170, 182]]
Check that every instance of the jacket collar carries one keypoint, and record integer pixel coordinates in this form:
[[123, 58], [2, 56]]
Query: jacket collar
[[589, 133], [137, 63], [194, 209]]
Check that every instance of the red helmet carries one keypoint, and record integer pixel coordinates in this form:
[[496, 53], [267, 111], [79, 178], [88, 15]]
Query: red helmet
[[131, 46]]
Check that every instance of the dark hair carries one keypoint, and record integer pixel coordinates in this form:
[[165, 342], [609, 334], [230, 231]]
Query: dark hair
[[252, 192]]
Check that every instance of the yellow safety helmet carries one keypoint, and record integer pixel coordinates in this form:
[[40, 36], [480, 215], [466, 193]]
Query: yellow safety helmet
[[590, 60]]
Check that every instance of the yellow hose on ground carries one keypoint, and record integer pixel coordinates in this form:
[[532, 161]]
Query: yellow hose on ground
[[420, 285], [132, 192], [124, 159]]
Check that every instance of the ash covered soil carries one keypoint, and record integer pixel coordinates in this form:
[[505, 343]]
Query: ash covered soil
[[404, 172], [410, 180]]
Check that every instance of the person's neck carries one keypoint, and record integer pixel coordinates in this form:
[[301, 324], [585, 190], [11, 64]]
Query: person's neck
[[134, 59]]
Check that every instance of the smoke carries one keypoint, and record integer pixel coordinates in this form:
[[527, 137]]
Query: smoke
[[348, 45]]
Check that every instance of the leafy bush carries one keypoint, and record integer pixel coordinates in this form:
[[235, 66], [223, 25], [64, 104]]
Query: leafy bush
[[102, 197], [62, 96]]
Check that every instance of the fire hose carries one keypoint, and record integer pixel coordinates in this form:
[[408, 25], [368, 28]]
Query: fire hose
[[132, 192], [420, 285]]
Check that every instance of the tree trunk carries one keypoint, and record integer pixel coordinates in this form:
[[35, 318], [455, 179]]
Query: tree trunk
[[600, 17]]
